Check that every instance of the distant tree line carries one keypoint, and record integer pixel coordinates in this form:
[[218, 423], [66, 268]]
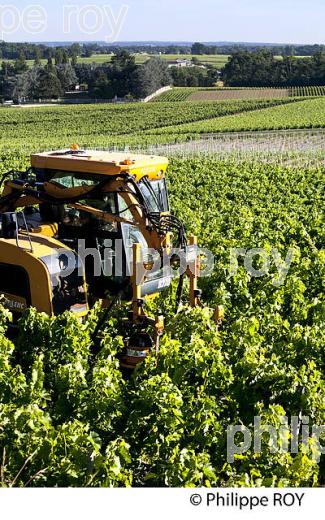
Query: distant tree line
[[19, 82], [261, 69], [32, 51], [276, 50], [120, 77], [11, 51], [195, 76]]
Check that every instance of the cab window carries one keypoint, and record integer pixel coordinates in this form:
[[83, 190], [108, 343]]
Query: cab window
[[75, 180], [155, 195]]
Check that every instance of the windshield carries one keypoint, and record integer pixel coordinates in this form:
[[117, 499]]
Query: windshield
[[155, 195], [76, 180]]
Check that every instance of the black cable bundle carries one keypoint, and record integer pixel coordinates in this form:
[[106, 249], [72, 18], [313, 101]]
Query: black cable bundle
[[170, 224]]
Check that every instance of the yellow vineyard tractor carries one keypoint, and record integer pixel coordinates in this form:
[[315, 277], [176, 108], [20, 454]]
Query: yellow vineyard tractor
[[81, 226]]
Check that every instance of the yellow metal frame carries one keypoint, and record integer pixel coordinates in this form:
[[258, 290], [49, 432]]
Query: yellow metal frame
[[103, 163], [193, 272], [30, 261], [40, 285]]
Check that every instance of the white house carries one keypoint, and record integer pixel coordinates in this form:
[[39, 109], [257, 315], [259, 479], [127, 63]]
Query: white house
[[180, 63]]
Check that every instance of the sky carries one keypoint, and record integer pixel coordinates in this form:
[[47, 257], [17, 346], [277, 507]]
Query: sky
[[273, 21]]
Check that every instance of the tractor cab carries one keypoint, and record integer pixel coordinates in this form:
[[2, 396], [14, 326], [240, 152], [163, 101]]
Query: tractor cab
[[126, 188]]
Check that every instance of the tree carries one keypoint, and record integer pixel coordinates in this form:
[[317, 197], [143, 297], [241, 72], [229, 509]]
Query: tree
[[7, 87], [190, 77], [122, 59], [32, 81], [88, 52], [151, 76], [7, 69], [58, 56], [19, 91], [37, 60], [100, 85], [122, 74], [67, 76], [260, 69], [50, 67], [251, 69], [117, 78], [65, 56], [74, 60], [75, 50], [289, 50], [198, 48], [21, 64], [213, 75], [85, 72], [195, 61], [318, 66], [49, 84]]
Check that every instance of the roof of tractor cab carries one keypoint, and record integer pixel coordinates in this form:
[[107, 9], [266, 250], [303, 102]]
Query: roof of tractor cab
[[102, 163]]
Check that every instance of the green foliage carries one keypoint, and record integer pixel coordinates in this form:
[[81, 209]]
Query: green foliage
[[302, 114], [262, 69], [68, 419], [152, 76], [176, 94], [59, 126]]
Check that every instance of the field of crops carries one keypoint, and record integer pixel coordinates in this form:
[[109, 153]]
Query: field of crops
[[67, 422], [71, 426], [303, 148], [223, 94], [177, 94], [107, 124], [303, 114], [153, 125]]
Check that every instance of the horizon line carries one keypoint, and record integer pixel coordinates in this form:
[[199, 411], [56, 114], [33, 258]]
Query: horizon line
[[165, 42]]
